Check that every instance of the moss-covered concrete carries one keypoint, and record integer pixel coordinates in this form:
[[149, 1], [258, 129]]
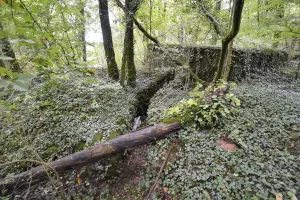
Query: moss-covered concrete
[[203, 60], [145, 94]]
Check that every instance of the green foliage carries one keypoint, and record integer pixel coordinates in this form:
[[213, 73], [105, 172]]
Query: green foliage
[[266, 162], [43, 33], [275, 21], [19, 81], [63, 115], [204, 107]]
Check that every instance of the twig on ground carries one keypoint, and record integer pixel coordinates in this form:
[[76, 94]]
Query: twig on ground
[[160, 171]]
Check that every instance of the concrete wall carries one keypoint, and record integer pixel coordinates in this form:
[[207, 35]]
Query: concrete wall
[[204, 60]]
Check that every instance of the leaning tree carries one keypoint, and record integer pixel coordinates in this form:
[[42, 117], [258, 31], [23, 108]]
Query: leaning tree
[[226, 51]]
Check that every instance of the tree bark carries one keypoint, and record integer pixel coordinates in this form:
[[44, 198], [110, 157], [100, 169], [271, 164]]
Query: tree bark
[[91, 155], [112, 67], [128, 71], [8, 51], [236, 21], [137, 23], [146, 34], [82, 12], [227, 69]]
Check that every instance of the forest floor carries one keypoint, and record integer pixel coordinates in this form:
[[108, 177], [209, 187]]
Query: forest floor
[[269, 99], [258, 159]]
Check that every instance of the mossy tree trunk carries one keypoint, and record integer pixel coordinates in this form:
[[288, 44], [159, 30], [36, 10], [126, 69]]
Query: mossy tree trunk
[[223, 64], [226, 71], [128, 71], [9, 52], [112, 67], [147, 35], [83, 33]]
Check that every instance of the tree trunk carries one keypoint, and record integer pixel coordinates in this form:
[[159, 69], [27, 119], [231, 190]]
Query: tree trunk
[[112, 67], [226, 71], [279, 14], [8, 51], [2, 63], [236, 21], [258, 11], [150, 16], [128, 71], [90, 155], [83, 34], [140, 27]]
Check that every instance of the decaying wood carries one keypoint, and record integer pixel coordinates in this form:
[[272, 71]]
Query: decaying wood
[[137, 123], [91, 155]]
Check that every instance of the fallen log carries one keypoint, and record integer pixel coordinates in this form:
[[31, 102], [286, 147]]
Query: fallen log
[[90, 155]]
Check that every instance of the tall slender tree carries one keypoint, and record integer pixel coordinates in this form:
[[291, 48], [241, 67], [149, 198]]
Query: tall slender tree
[[82, 12], [225, 55], [128, 71], [112, 67]]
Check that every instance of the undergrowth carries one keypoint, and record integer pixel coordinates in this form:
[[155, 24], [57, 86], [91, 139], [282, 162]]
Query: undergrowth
[[266, 131], [60, 116], [204, 107]]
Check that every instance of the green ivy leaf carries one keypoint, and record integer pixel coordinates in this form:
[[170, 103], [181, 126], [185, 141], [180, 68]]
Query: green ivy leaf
[[29, 41], [4, 83], [20, 85]]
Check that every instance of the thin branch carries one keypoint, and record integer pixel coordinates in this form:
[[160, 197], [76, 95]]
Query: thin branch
[[195, 76], [29, 60], [12, 12], [211, 18], [31, 16], [160, 171], [137, 23], [66, 31], [62, 48]]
